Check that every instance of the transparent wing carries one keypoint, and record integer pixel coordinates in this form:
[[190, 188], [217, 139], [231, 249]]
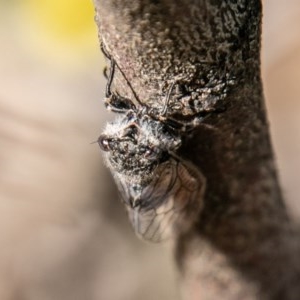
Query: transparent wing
[[170, 202]]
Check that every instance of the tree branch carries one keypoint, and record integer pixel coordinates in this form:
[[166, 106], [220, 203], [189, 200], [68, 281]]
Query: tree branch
[[243, 245]]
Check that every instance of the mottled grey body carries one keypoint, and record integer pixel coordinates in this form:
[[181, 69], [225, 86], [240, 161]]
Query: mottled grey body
[[161, 191]]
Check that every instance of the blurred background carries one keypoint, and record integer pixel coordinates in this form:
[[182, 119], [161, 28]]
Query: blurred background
[[63, 233]]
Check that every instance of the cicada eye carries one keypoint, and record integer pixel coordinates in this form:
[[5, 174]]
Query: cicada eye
[[103, 142]]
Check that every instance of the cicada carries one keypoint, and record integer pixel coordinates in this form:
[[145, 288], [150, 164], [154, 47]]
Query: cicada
[[162, 192]]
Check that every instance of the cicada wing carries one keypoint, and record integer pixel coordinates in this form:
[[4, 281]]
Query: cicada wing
[[151, 226], [170, 202]]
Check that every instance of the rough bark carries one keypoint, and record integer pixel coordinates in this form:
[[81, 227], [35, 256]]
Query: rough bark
[[243, 245]]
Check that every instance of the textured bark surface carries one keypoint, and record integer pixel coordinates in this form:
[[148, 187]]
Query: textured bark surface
[[243, 246]]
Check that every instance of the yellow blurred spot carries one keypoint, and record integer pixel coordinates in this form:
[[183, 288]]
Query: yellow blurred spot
[[68, 19], [61, 30]]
